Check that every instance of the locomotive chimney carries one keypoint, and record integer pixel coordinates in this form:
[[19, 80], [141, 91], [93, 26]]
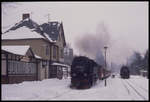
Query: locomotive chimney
[[25, 15]]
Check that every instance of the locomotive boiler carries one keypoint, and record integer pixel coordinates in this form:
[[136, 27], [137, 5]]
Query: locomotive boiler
[[84, 72], [124, 72]]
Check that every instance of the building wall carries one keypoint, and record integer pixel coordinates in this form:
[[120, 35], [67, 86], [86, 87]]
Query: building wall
[[17, 77], [60, 44], [53, 51], [38, 46], [47, 70], [3, 71], [20, 78], [43, 71], [4, 79], [3, 63]]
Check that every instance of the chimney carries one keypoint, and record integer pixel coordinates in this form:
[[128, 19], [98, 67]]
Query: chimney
[[25, 15]]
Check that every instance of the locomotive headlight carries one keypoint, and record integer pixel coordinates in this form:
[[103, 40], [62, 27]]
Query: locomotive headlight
[[85, 74]]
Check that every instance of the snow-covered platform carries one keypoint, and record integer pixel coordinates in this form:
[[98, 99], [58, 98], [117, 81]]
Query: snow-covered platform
[[135, 88]]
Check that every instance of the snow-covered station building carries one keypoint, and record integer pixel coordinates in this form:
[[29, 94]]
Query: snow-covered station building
[[18, 64], [47, 42]]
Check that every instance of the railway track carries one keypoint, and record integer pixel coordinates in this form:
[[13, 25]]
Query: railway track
[[69, 91], [61, 94], [132, 90], [139, 86], [128, 90]]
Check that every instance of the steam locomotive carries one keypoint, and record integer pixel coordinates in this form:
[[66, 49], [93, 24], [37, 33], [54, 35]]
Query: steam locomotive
[[124, 72], [85, 72]]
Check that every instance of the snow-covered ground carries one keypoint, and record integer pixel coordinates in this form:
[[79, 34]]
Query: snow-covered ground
[[135, 88]]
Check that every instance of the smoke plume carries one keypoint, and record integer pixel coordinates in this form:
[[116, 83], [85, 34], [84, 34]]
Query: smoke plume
[[92, 44]]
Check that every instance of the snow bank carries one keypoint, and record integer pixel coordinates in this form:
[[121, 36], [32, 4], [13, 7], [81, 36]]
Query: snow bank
[[35, 90], [55, 89]]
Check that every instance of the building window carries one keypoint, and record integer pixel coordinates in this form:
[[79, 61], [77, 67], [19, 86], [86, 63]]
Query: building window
[[54, 51], [13, 57], [3, 56], [9, 56], [17, 58], [62, 53], [44, 63], [47, 50], [53, 72], [19, 67]]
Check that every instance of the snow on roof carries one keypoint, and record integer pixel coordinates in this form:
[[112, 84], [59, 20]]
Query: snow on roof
[[143, 70], [21, 33], [19, 50], [49, 38], [59, 64], [36, 56]]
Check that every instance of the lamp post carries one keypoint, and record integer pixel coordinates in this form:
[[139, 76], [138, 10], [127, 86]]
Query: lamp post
[[105, 47]]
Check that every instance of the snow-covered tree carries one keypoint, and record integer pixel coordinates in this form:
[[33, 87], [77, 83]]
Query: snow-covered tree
[[145, 60], [135, 63]]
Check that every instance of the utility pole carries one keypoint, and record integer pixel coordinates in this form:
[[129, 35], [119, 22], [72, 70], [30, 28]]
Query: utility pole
[[105, 47]]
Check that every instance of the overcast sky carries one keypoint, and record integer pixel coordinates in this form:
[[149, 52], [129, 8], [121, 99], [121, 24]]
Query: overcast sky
[[127, 22]]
